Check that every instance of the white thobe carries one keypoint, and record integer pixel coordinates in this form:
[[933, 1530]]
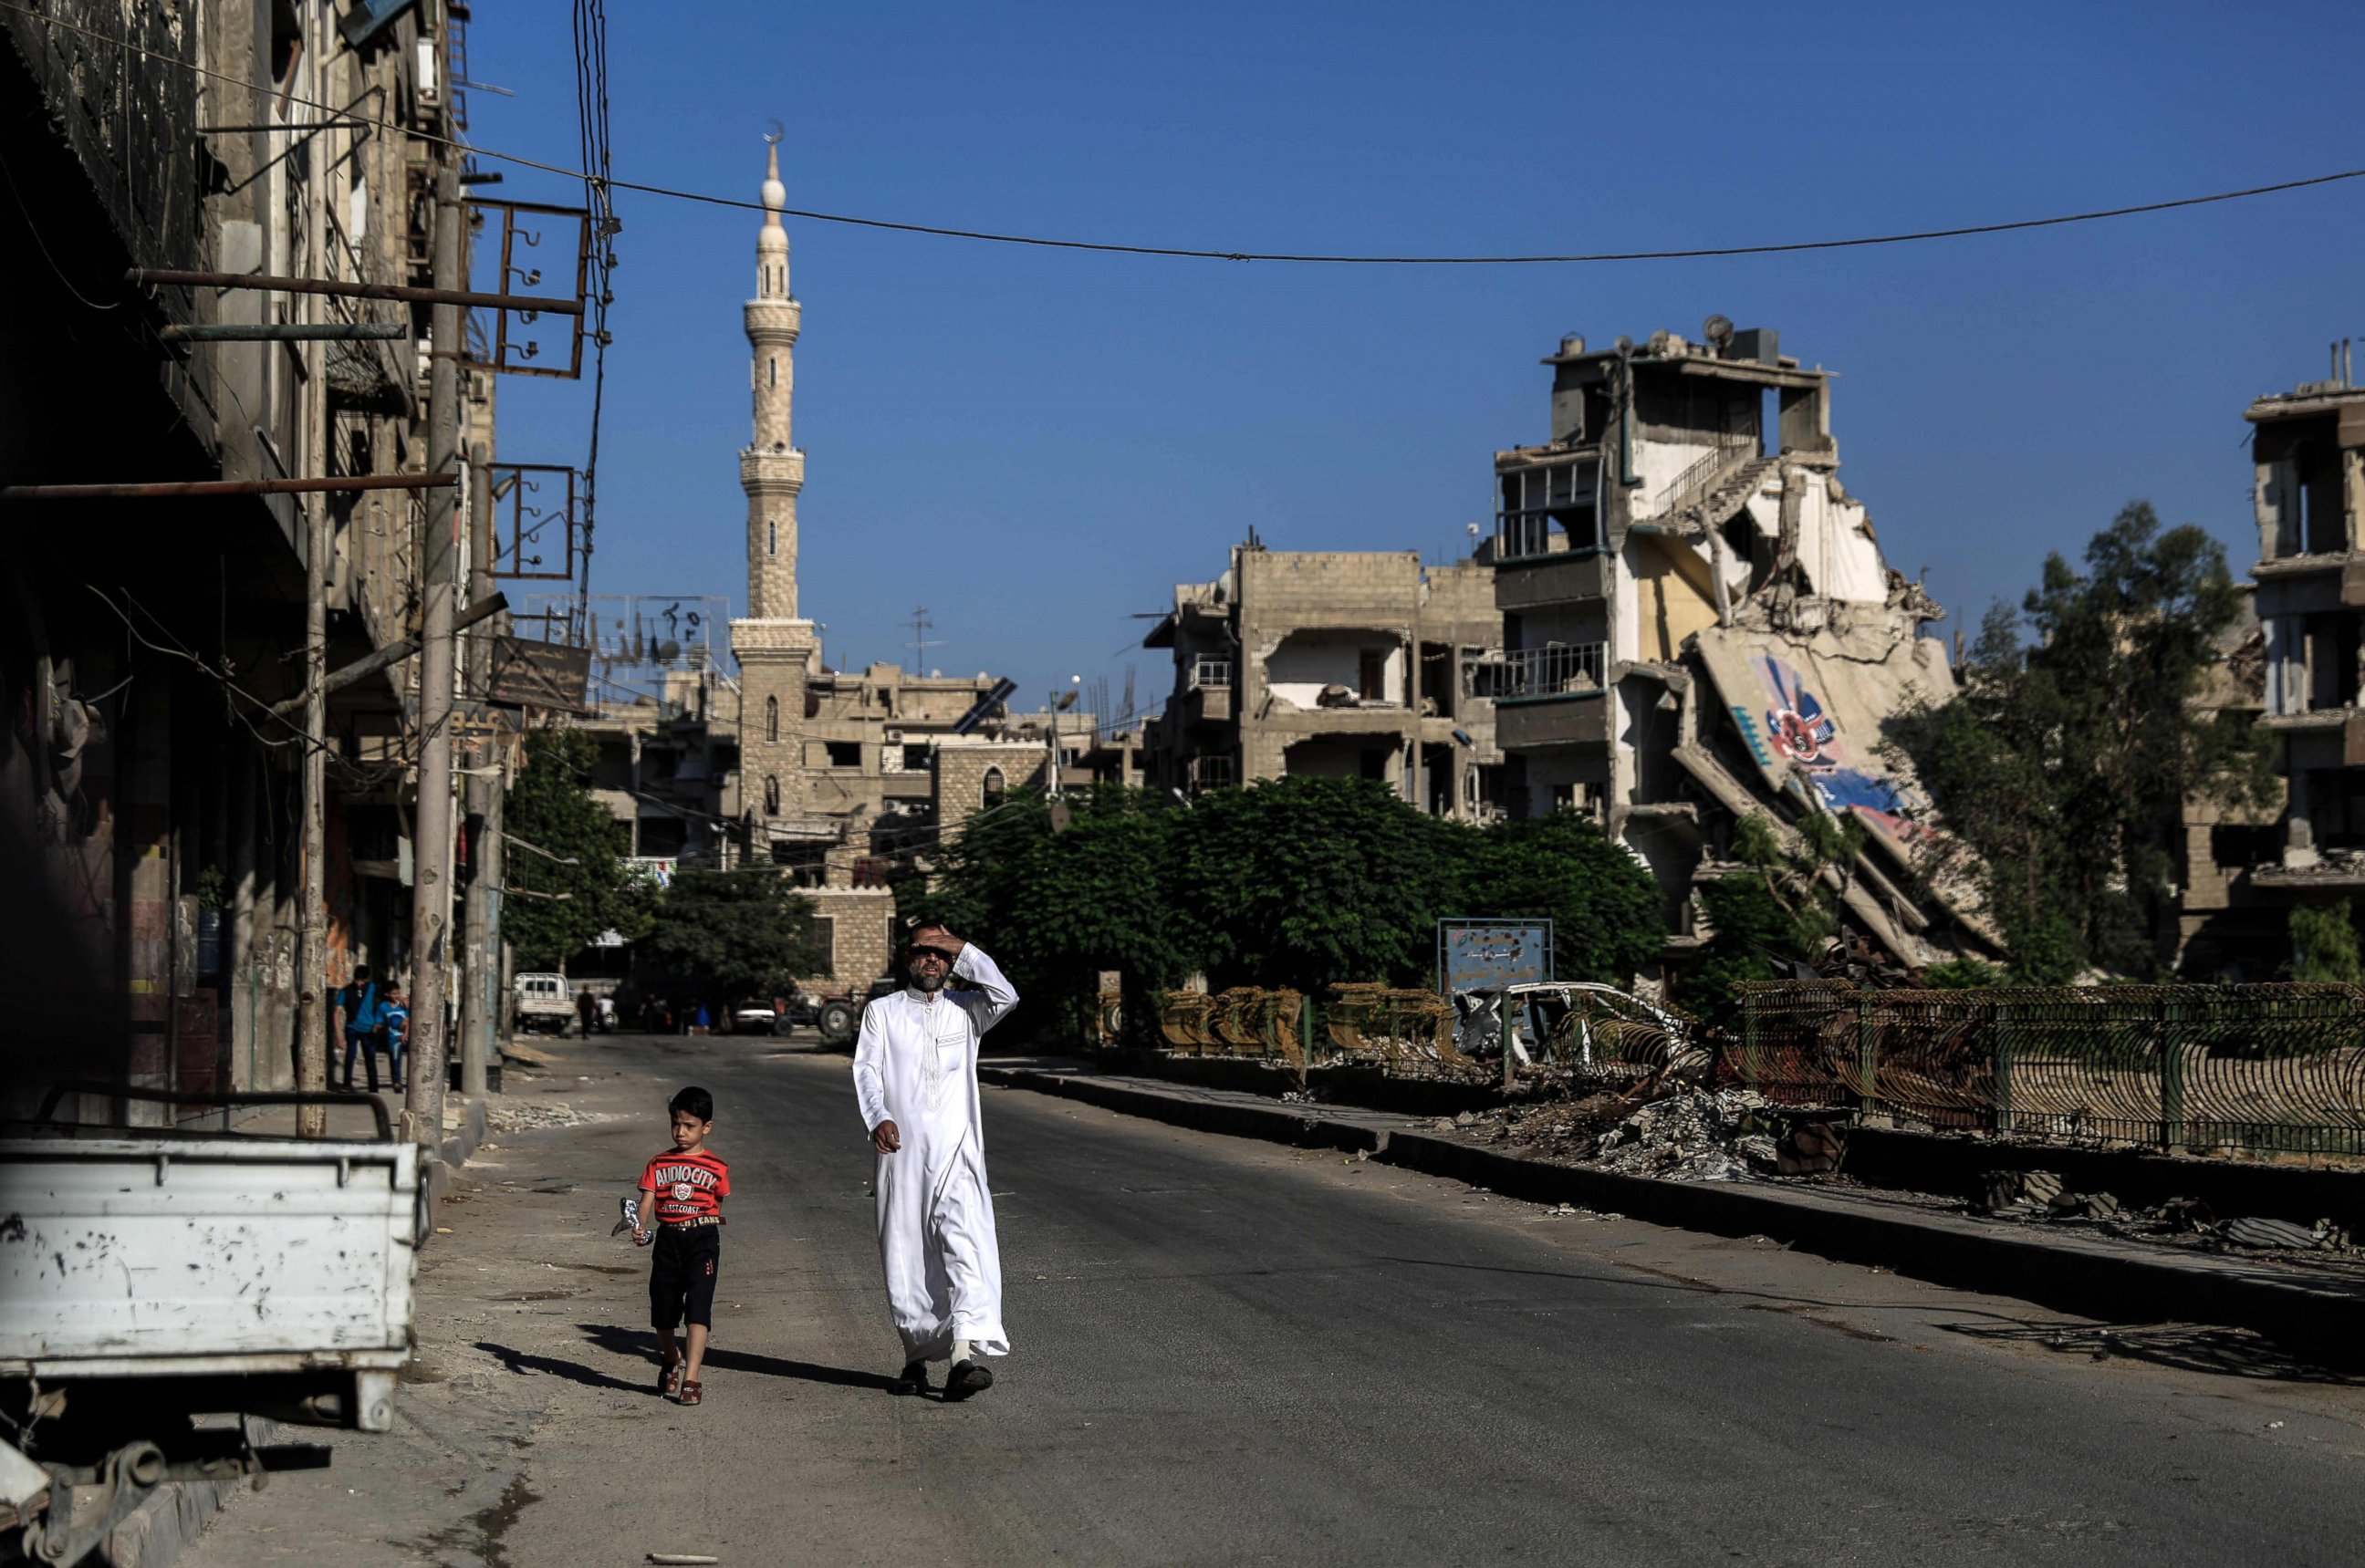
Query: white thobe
[[915, 1066]]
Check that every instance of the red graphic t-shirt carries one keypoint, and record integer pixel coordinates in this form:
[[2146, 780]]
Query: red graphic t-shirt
[[688, 1186]]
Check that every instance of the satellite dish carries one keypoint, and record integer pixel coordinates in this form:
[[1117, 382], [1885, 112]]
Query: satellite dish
[[1718, 330], [1625, 344]]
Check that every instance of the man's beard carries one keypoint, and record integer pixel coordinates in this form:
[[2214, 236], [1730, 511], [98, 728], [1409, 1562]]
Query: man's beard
[[922, 979]]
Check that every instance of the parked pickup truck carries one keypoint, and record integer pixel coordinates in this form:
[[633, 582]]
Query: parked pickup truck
[[162, 1289], [545, 1003]]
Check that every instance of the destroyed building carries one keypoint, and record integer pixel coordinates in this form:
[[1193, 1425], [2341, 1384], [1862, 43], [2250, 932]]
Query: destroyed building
[[1698, 624], [1332, 664], [2308, 451]]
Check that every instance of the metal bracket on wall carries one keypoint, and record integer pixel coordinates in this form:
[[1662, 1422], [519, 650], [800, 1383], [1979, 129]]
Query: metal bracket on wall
[[534, 232], [533, 520]]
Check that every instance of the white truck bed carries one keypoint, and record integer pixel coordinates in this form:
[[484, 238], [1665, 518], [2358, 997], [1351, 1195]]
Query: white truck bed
[[129, 1256]]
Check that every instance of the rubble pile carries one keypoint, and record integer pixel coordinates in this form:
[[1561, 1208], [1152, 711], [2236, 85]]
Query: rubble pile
[[525, 1115], [1692, 1134], [2039, 1195]]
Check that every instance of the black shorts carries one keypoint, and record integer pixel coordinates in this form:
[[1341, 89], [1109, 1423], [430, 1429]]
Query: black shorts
[[681, 1275]]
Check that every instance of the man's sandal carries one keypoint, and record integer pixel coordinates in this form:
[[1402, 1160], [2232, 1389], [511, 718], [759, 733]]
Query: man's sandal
[[692, 1393], [669, 1380]]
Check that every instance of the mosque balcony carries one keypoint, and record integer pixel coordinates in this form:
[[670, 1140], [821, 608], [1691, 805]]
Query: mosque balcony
[[774, 318], [780, 467]]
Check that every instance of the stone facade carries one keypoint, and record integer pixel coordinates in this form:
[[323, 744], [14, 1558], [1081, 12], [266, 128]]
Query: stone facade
[[972, 773], [862, 933], [1336, 664]]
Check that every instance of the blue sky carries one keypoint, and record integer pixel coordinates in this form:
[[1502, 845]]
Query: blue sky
[[1036, 443]]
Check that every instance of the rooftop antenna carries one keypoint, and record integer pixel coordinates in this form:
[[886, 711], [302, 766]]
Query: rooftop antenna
[[921, 641]]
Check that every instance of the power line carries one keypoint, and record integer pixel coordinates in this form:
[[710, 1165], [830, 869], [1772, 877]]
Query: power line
[[1225, 254]]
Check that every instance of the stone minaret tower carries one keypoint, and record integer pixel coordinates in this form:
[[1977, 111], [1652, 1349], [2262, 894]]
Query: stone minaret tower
[[776, 650], [772, 470]]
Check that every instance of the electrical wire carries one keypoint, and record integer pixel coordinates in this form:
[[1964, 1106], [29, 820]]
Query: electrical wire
[[1224, 254], [592, 99]]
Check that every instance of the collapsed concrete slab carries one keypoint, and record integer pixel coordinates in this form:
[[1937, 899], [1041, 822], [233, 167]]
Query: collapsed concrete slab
[[1700, 626]]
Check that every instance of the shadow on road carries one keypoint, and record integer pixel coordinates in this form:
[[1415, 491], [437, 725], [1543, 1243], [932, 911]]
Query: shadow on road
[[2224, 1352], [573, 1371], [641, 1344]]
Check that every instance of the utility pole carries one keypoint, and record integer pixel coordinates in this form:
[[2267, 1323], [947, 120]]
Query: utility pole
[[480, 919], [312, 909], [431, 900]]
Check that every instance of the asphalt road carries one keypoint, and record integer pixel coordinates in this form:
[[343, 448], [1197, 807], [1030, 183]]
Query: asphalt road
[[1229, 1352]]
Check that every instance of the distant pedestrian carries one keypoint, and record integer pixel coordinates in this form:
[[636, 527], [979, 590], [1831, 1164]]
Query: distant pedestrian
[[915, 1080], [587, 1011], [681, 1207], [364, 1008], [607, 1013], [395, 1029]]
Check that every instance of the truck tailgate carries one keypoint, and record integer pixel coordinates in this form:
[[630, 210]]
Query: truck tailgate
[[177, 1252]]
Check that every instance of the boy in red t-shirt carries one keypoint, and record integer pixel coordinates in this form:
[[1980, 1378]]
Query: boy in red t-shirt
[[681, 1202]]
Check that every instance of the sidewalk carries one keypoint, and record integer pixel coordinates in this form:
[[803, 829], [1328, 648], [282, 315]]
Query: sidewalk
[[2323, 1319]]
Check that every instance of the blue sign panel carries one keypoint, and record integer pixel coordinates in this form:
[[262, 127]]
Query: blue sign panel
[[1486, 954]]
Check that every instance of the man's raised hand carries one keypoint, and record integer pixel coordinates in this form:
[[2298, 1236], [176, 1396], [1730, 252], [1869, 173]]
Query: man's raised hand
[[885, 1139]]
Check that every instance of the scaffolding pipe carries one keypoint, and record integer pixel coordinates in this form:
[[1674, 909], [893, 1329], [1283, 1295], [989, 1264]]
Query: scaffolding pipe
[[282, 332], [164, 489], [153, 276]]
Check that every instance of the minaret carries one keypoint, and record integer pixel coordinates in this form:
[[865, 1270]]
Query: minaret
[[776, 651], [772, 470]]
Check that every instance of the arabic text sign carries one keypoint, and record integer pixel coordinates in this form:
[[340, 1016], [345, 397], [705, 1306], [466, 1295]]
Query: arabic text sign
[[1490, 954]]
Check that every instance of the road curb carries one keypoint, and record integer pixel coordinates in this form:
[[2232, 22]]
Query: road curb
[[2324, 1321]]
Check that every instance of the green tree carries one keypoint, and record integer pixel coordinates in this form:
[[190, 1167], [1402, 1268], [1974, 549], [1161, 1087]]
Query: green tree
[[2064, 763], [731, 934], [1057, 906], [569, 878], [1605, 907], [2324, 942], [1777, 912], [1305, 882]]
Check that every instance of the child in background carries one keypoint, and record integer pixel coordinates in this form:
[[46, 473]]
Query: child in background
[[394, 1023], [681, 1202]]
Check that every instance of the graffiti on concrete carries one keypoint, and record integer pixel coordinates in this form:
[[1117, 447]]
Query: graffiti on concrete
[[1796, 727]]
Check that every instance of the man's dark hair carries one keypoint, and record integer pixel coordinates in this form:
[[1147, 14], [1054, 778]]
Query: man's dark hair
[[694, 1101]]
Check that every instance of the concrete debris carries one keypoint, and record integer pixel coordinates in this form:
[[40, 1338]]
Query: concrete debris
[[2002, 1191], [2284, 1234], [1810, 1148], [1694, 1136], [518, 1116]]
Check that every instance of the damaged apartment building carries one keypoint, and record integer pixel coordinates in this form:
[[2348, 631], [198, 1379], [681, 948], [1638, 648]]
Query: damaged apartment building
[[1332, 664], [1698, 624], [2308, 452]]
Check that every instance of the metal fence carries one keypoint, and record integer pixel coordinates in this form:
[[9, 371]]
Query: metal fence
[[2259, 1066]]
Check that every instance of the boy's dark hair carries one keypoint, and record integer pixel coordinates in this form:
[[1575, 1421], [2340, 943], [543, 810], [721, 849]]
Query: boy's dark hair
[[361, 971], [694, 1101]]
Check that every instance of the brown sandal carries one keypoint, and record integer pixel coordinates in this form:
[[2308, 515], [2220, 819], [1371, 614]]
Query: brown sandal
[[669, 1380], [692, 1393]]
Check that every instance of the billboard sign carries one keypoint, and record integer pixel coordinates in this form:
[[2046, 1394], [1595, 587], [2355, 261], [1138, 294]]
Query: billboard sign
[[1487, 955]]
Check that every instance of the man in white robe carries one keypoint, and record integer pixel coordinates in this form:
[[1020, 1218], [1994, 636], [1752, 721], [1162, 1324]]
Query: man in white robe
[[915, 1080]]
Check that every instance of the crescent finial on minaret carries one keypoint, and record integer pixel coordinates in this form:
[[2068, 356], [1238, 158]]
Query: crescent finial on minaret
[[776, 195]]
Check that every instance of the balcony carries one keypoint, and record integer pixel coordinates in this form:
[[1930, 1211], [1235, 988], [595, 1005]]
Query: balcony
[[1557, 669], [1208, 698], [1548, 699], [1212, 773], [1571, 576]]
